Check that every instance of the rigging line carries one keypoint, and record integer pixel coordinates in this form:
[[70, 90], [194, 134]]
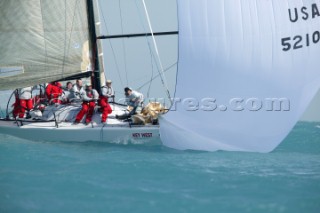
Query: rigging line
[[146, 35], [152, 56], [157, 52], [112, 49], [123, 46], [150, 50], [168, 68], [152, 73]]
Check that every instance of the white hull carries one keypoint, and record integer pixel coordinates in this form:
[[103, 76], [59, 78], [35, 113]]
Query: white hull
[[115, 131], [66, 132]]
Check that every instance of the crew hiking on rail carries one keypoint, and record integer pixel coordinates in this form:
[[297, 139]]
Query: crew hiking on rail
[[89, 97], [55, 95]]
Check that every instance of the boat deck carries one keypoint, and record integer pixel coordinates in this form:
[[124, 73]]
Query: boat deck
[[57, 125]]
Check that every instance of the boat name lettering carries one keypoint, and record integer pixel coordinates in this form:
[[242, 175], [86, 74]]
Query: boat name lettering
[[142, 135]]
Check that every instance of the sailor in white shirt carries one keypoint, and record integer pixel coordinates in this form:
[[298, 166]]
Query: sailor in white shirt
[[77, 90], [89, 97], [67, 92], [133, 99], [107, 91]]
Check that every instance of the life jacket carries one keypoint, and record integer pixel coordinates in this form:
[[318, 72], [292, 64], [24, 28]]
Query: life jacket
[[89, 94]]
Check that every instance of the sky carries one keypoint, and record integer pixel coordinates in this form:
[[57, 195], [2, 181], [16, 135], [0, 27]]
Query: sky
[[133, 62]]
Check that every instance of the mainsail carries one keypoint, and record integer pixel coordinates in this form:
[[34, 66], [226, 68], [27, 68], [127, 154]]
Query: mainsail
[[42, 41], [247, 71]]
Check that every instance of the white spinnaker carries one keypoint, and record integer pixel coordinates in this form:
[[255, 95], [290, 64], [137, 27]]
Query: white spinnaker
[[234, 49]]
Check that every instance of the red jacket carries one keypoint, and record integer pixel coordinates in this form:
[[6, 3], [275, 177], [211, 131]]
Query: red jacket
[[53, 90]]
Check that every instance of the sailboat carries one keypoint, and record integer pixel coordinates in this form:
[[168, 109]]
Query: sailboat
[[247, 70], [61, 46]]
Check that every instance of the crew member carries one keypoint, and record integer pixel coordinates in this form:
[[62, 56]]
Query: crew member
[[54, 92], [107, 92], [25, 97], [77, 90], [89, 97], [133, 99], [67, 92]]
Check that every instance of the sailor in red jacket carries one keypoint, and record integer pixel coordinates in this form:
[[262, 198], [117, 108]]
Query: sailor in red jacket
[[107, 92], [53, 92], [25, 101], [89, 97]]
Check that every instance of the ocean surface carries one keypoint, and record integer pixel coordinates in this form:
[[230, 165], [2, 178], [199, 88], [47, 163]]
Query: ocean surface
[[97, 177]]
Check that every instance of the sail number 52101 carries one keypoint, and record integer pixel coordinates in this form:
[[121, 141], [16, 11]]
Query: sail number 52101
[[299, 41]]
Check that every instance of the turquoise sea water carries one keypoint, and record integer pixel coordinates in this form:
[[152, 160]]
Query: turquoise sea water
[[96, 177]]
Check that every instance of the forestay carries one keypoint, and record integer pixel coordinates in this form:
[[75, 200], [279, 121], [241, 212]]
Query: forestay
[[41, 41], [247, 71]]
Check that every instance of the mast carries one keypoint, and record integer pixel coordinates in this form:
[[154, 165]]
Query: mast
[[95, 78]]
